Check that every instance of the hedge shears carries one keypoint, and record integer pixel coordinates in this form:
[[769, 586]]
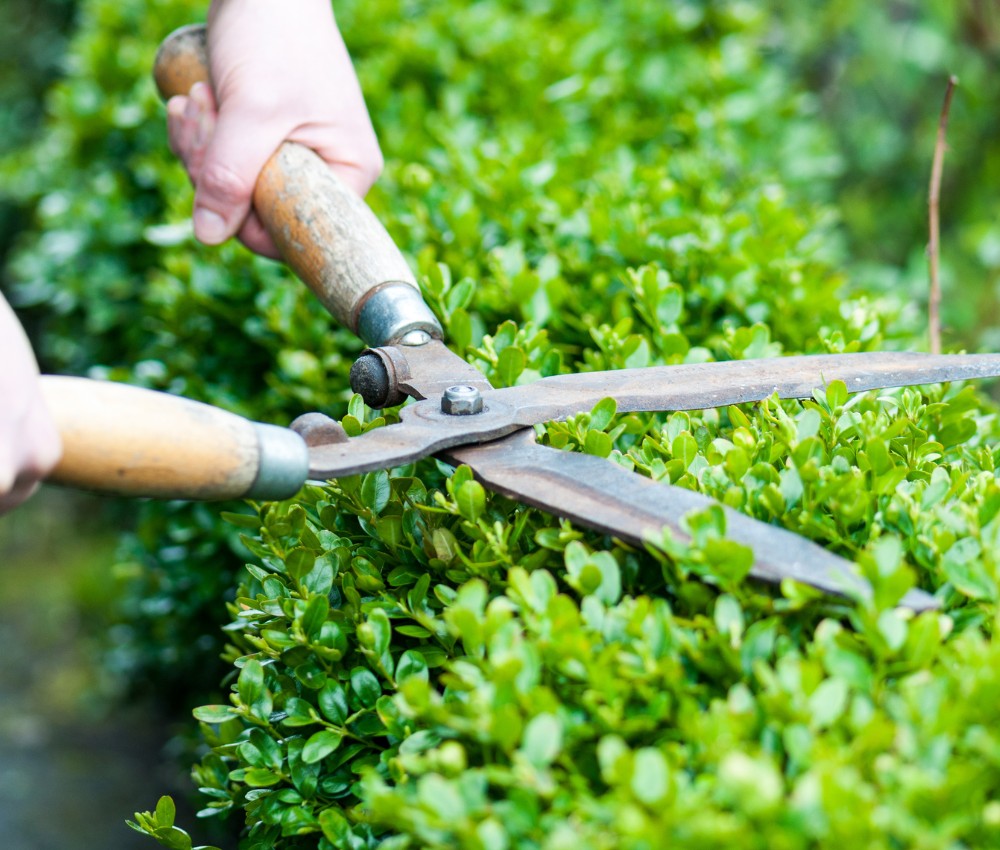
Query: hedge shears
[[137, 442]]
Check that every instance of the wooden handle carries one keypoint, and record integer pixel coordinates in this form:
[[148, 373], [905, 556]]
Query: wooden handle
[[324, 231], [135, 442]]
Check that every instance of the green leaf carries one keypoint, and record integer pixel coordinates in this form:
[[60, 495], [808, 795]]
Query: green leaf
[[320, 745], [376, 490], [173, 838], [471, 500], [299, 713], [332, 700], [166, 811], [595, 573], [650, 776], [317, 610], [598, 443], [737, 417], [542, 740], [808, 423], [510, 365], [603, 414], [670, 305], [729, 616], [215, 714], [828, 702], [460, 330], [299, 561], [250, 684], [411, 664], [684, 448], [893, 629], [259, 777], [319, 580], [836, 394], [356, 407], [441, 797], [380, 630], [967, 572], [365, 684]]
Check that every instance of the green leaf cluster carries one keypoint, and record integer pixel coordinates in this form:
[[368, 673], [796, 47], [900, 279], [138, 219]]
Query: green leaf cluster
[[484, 675]]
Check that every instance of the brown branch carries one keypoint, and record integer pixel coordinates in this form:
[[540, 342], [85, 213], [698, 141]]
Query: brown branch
[[934, 243]]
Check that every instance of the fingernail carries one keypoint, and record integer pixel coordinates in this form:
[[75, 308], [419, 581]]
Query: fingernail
[[209, 227], [199, 93], [176, 106]]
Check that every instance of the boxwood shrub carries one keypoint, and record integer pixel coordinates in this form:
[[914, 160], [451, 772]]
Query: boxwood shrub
[[411, 661]]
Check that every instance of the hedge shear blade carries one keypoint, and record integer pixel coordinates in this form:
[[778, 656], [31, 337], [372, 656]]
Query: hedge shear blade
[[498, 441], [605, 496], [340, 250], [426, 428]]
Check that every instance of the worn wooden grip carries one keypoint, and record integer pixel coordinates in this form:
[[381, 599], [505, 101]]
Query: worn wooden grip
[[324, 231], [180, 61], [135, 442]]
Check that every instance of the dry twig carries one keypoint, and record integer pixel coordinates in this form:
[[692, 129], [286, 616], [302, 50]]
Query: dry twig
[[933, 244]]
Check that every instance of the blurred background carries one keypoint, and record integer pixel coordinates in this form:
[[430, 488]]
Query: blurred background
[[65, 759], [112, 612]]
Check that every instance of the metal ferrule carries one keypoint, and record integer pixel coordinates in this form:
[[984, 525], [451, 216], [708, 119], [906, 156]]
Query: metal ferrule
[[284, 463], [393, 310]]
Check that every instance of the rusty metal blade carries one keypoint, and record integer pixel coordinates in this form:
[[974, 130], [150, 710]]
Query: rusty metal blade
[[602, 495], [697, 386], [425, 430]]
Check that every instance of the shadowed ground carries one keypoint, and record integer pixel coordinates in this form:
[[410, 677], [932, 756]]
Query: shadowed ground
[[71, 769]]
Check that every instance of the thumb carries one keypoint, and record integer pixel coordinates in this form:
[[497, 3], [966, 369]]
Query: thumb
[[239, 149]]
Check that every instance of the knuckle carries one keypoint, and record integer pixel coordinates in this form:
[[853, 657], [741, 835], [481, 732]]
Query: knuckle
[[221, 182]]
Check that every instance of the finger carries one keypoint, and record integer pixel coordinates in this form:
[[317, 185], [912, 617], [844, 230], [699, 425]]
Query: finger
[[228, 172], [177, 126], [46, 449], [190, 124], [359, 178], [40, 459], [21, 492], [199, 126], [351, 152], [256, 238]]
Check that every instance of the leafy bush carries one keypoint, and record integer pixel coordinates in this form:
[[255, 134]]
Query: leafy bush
[[428, 665], [415, 662], [623, 171], [32, 43]]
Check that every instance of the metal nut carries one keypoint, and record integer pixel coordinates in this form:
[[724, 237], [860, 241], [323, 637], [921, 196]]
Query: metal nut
[[462, 400]]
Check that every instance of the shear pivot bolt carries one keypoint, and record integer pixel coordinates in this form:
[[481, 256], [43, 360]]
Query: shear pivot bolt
[[462, 401]]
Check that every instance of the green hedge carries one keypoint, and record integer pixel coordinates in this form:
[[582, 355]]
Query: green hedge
[[32, 41], [532, 211], [417, 663]]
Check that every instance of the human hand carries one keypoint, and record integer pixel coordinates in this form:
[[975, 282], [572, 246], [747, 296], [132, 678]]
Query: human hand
[[280, 72], [29, 442]]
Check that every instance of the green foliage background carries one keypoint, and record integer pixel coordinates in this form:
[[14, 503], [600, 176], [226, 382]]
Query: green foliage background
[[580, 185]]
